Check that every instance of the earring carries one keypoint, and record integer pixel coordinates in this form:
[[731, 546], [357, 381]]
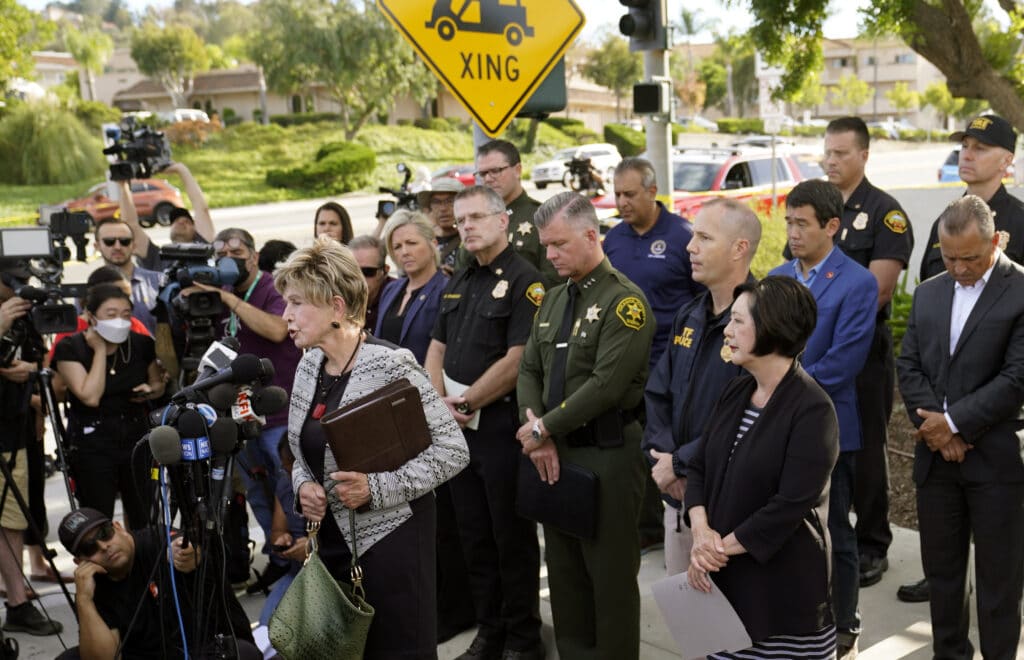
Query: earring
[[335, 325]]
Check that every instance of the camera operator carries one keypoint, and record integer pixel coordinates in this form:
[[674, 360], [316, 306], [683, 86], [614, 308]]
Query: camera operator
[[255, 319], [114, 240], [111, 374], [16, 398], [185, 227], [123, 607]]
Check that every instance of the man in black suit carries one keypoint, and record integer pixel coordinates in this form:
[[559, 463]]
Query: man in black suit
[[961, 374]]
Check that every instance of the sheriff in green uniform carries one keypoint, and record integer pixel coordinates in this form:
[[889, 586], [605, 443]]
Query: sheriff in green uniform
[[499, 167], [580, 385]]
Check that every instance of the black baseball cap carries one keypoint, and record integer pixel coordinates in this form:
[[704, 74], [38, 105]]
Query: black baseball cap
[[77, 524], [990, 129], [179, 212]]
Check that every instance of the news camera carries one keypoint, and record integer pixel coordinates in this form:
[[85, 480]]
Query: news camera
[[140, 152], [190, 263], [40, 252]]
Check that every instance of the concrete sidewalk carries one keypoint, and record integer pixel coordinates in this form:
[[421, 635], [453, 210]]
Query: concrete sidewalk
[[892, 630]]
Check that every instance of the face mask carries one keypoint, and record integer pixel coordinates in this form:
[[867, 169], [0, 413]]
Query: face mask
[[114, 330], [243, 272]]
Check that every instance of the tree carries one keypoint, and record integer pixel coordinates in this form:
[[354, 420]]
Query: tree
[[851, 93], [612, 65], [979, 59], [172, 55], [811, 93], [729, 75], [21, 31], [903, 98], [91, 49], [352, 52]]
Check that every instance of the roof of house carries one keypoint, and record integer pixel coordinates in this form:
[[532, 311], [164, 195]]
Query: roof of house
[[243, 79]]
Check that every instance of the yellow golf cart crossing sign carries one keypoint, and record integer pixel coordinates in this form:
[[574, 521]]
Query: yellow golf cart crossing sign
[[491, 54]]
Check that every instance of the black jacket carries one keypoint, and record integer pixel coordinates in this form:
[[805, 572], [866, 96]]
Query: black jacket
[[774, 495]]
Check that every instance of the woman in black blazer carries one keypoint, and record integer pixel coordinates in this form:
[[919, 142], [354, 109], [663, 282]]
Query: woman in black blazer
[[757, 491]]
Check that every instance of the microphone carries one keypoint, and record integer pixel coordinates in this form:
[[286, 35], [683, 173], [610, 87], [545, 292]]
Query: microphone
[[269, 400], [165, 444], [242, 410], [243, 369], [223, 396], [195, 440], [223, 436], [218, 356]]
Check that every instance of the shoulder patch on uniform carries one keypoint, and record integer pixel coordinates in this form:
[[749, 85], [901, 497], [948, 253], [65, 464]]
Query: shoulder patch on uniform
[[535, 293], [631, 312], [896, 221]]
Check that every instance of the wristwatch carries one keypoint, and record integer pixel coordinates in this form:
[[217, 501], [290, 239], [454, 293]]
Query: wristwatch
[[464, 408], [535, 431]]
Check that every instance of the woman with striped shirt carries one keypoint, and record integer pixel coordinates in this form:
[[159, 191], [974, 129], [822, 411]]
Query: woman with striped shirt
[[757, 491]]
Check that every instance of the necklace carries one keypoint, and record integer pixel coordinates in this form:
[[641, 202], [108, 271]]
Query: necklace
[[124, 358], [325, 388]]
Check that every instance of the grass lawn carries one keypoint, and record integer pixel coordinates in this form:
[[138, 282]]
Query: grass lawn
[[231, 166]]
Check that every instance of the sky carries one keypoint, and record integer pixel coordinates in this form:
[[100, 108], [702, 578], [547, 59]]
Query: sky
[[604, 15]]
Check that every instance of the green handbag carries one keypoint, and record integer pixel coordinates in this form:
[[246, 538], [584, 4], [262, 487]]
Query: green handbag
[[320, 618]]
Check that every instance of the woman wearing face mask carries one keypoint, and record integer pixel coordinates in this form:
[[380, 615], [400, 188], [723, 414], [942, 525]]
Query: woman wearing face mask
[[111, 373]]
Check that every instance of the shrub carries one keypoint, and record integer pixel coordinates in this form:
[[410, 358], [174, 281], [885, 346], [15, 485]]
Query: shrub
[[300, 118], [878, 133], [628, 141], [773, 241], [96, 113], [231, 118], [562, 122], [341, 168], [43, 144], [191, 133], [581, 133], [433, 124], [901, 301], [809, 131], [741, 125]]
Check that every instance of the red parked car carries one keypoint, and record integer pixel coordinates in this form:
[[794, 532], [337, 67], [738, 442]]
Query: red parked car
[[154, 199], [464, 173]]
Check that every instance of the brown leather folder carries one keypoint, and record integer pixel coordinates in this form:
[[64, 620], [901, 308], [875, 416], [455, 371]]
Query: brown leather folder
[[379, 432]]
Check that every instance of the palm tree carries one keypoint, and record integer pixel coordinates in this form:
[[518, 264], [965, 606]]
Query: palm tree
[[91, 49]]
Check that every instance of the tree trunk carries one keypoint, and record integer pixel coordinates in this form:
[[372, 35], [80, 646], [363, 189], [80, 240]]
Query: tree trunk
[[944, 36], [531, 136], [91, 81]]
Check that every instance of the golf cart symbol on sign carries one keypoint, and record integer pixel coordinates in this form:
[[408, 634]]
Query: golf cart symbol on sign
[[488, 16]]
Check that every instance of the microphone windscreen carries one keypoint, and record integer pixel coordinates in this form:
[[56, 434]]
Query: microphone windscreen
[[223, 396], [165, 443], [192, 425], [245, 368], [269, 400], [231, 343], [266, 369], [223, 436]]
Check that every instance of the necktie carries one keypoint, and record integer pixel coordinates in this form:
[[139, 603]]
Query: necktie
[[556, 385]]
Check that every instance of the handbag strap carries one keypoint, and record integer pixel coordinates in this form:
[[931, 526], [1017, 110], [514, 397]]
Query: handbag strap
[[356, 571]]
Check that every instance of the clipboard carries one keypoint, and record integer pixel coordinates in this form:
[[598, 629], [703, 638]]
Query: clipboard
[[379, 432]]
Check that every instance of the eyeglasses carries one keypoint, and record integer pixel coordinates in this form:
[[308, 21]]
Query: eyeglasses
[[369, 271], [475, 217], [447, 200], [125, 242], [232, 243], [494, 171], [89, 548]]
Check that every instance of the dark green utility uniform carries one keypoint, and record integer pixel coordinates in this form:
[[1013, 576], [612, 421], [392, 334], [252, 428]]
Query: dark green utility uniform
[[595, 601], [522, 236]]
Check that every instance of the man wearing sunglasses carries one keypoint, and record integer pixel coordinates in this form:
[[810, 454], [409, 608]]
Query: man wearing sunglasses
[[369, 252], [114, 241], [125, 600], [253, 310]]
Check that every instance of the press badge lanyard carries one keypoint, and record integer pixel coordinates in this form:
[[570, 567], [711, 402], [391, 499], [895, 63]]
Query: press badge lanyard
[[233, 323]]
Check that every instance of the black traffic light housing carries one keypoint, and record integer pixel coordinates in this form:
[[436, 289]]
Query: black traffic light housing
[[645, 24]]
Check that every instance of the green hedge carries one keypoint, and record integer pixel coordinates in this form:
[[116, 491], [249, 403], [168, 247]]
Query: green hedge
[[809, 131], [582, 134], [562, 122], [43, 144], [628, 141], [304, 118], [339, 167], [741, 125], [96, 113]]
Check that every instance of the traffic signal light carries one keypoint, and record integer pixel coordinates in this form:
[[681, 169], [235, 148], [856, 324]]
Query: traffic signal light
[[645, 24]]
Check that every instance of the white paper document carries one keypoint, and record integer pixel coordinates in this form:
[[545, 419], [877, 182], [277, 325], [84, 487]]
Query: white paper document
[[455, 388], [700, 623]]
